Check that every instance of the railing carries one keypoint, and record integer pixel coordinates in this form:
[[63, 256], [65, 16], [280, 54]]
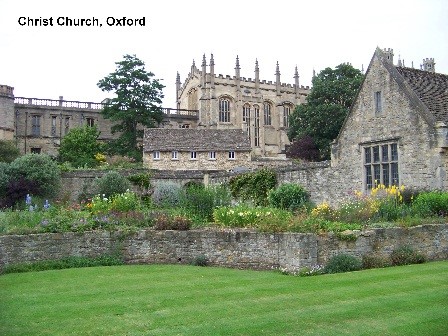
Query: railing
[[56, 103], [93, 106], [182, 112]]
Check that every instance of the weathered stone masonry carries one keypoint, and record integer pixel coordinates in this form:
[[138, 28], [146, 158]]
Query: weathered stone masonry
[[228, 248]]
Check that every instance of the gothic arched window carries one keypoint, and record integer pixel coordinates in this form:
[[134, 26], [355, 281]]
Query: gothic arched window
[[257, 125], [246, 117], [267, 113], [224, 110], [193, 99], [286, 114]]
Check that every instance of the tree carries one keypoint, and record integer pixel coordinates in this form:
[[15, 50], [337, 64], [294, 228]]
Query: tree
[[328, 103], [8, 151], [79, 147], [137, 104], [303, 148]]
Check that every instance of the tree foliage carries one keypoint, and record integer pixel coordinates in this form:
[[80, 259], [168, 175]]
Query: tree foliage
[[8, 151], [79, 147], [254, 186], [136, 105], [328, 103], [303, 148]]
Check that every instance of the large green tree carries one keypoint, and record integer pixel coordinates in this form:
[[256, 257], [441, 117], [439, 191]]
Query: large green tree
[[328, 103], [79, 147], [137, 104]]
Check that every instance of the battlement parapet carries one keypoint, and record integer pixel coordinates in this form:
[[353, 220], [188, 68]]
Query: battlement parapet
[[58, 103], [6, 90]]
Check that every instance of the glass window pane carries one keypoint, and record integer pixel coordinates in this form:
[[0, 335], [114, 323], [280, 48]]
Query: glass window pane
[[369, 177], [377, 174], [385, 153], [376, 153], [394, 173], [394, 152], [367, 155], [385, 168]]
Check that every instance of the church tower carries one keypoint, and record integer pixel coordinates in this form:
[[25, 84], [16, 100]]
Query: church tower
[[6, 112]]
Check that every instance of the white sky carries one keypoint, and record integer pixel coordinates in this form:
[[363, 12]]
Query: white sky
[[48, 62]]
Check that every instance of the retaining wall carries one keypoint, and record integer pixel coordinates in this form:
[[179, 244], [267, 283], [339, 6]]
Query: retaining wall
[[228, 248]]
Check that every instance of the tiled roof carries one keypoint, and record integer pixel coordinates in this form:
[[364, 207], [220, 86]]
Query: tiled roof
[[188, 139], [431, 88]]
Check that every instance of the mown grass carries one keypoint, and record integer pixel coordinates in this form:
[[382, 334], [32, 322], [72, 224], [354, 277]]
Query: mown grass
[[187, 300]]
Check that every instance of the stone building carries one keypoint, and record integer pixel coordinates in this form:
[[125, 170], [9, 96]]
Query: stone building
[[396, 131], [259, 107], [196, 149], [38, 125]]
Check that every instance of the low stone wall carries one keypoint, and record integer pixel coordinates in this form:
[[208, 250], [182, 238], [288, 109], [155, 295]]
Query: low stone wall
[[228, 248]]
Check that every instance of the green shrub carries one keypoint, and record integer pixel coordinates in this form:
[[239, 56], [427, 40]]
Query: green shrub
[[201, 201], [8, 151], [374, 261], [69, 262], [247, 216], [112, 183], [433, 203], [343, 263], [406, 255], [288, 196], [142, 180], [200, 260], [167, 222], [38, 168], [4, 178], [253, 186], [79, 147], [167, 194]]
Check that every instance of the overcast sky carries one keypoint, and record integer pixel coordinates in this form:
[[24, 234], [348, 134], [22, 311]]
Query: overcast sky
[[52, 61]]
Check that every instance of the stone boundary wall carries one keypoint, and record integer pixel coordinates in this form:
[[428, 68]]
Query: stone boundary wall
[[227, 248]]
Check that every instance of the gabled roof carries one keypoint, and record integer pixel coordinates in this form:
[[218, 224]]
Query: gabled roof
[[189, 139], [428, 91], [431, 88]]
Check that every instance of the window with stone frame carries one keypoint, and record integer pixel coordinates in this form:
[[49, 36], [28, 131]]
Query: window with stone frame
[[224, 110], [212, 155], [66, 125], [35, 125], [246, 118], [267, 113], [232, 155], [193, 155], [156, 155], [53, 125], [174, 155], [381, 165], [286, 114], [90, 122], [378, 102], [256, 125]]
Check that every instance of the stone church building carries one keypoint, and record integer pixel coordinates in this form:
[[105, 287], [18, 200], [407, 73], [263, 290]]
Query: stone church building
[[259, 107]]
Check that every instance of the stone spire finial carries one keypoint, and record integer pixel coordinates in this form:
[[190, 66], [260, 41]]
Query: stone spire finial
[[296, 81], [399, 61], [178, 77], [277, 79], [257, 77], [204, 62], [237, 63], [193, 67]]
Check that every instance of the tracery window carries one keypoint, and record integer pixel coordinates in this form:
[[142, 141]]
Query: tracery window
[[286, 114], [224, 110], [193, 99], [257, 125], [246, 117], [267, 113]]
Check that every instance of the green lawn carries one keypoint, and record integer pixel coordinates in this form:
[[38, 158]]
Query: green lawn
[[187, 300]]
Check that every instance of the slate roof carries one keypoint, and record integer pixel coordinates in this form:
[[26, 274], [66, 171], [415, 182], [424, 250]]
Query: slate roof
[[431, 88], [189, 139]]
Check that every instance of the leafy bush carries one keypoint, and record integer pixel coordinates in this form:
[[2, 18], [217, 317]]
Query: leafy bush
[[200, 260], [8, 151], [288, 196], [245, 216], [40, 169], [434, 203], [167, 194], [343, 263], [374, 261], [303, 148], [4, 178], [253, 186], [69, 262], [112, 183], [80, 146], [406, 255], [142, 180], [17, 190], [167, 222], [200, 201]]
